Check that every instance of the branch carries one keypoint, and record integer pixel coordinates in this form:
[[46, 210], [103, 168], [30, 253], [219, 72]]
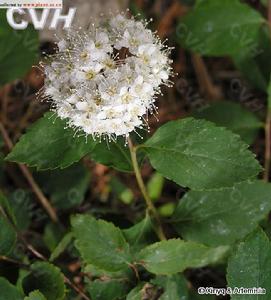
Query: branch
[[206, 84], [27, 174]]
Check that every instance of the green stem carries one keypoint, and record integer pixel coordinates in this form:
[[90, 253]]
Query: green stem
[[149, 203]]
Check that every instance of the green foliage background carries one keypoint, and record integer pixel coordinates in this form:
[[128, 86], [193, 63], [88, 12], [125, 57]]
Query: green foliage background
[[113, 247]]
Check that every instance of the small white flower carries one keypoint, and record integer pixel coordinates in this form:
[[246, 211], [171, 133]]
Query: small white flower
[[105, 80]]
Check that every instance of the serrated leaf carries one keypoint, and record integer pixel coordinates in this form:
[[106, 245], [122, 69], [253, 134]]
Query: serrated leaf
[[175, 255], [9, 291], [249, 266], [205, 31], [66, 188], [221, 217], [100, 243], [141, 234], [234, 117], [48, 144], [35, 295], [174, 287], [199, 155], [46, 278], [19, 50]]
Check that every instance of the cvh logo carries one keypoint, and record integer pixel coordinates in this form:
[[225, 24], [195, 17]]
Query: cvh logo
[[39, 20]]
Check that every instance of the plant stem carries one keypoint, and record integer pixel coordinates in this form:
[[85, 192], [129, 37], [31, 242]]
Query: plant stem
[[149, 203]]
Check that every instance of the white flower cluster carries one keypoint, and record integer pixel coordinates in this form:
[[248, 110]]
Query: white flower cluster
[[105, 80]]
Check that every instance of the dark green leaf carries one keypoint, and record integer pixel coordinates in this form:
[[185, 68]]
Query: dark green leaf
[[174, 256], [219, 28], [7, 232], [48, 144], [21, 205], [7, 236], [255, 61], [234, 117], [100, 243], [46, 278], [18, 50], [9, 291], [249, 266], [221, 217], [114, 154], [67, 187], [199, 155]]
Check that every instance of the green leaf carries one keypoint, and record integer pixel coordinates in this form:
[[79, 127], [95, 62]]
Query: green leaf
[[175, 255], [35, 295], [52, 235], [175, 287], [199, 155], [61, 247], [219, 28], [141, 234], [18, 50], [67, 187], [234, 117], [9, 291], [107, 289], [249, 266], [114, 154], [221, 217], [100, 243], [107, 285], [46, 278], [48, 144]]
